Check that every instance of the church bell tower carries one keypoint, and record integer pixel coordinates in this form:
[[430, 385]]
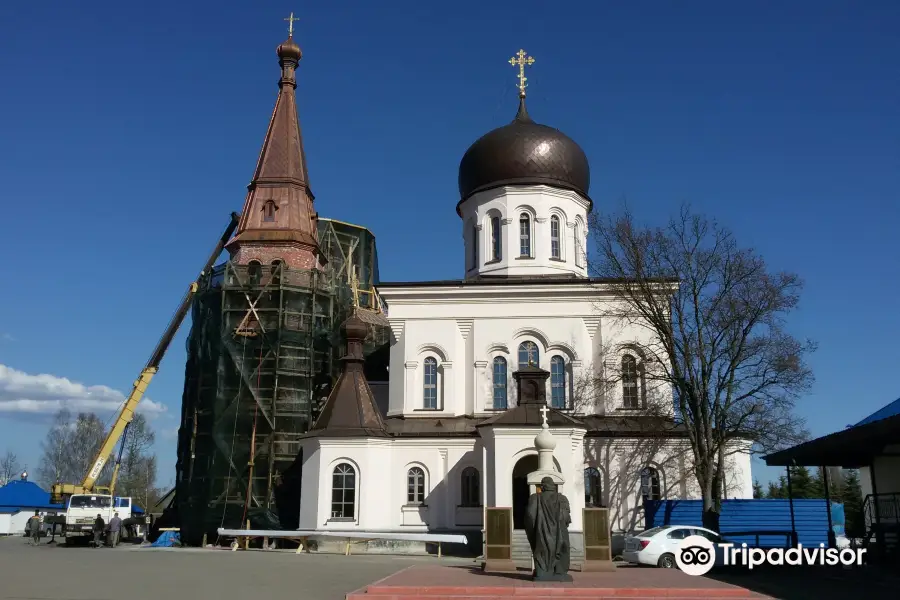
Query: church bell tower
[[278, 222]]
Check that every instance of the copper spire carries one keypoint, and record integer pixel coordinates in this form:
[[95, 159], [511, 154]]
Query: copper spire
[[278, 221], [350, 410]]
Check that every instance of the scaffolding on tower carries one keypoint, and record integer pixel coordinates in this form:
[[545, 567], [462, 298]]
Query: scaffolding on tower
[[262, 356]]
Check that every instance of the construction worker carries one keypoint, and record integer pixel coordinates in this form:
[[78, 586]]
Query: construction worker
[[99, 529], [34, 528], [115, 526]]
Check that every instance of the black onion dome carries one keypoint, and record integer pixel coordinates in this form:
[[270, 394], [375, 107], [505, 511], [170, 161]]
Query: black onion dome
[[523, 153]]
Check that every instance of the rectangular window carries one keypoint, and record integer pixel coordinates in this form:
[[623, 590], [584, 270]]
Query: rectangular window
[[495, 238], [429, 391], [524, 236], [499, 384], [554, 237]]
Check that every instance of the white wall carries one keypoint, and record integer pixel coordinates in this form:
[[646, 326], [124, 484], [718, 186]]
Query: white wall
[[620, 462], [381, 468], [887, 472], [540, 203], [464, 328]]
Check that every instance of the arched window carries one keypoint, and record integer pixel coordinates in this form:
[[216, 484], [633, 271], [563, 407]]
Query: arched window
[[524, 235], [254, 271], [430, 384], [650, 486], [593, 487], [471, 488], [275, 270], [555, 248], [343, 492], [631, 397], [529, 354], [495, 238], [269, 209], [499, 383], [415, 486], [557, 382], [474, 252], [579, 246]]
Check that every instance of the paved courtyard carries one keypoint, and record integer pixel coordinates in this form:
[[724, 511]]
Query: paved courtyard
[[60, 573]]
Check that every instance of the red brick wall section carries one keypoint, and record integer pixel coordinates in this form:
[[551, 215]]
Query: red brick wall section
[[294, 256]]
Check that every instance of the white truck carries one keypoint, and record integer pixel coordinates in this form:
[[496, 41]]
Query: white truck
[[82, 510]]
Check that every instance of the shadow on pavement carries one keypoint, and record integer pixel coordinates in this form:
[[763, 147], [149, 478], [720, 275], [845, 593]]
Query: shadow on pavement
[[804, 583]]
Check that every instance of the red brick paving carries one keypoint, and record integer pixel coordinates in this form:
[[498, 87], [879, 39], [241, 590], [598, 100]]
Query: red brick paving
[[457, 582]]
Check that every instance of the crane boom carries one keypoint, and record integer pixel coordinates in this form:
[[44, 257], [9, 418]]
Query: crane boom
[[60, 490]]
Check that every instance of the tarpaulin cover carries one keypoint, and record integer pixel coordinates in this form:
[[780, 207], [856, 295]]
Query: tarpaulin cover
[[168, 539]]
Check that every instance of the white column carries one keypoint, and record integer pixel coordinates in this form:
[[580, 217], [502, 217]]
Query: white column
[[409, 386], [449, 385], [478, 404]]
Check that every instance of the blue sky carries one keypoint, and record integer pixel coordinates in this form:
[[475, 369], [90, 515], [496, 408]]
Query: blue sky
[[128, 132]]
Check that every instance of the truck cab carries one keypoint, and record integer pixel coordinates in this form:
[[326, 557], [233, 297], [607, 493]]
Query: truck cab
[[82, 509]]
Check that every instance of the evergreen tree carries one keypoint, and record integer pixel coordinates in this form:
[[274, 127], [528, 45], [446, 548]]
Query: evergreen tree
[[757, 489], [853, 505], [774, 490], [803, 484]]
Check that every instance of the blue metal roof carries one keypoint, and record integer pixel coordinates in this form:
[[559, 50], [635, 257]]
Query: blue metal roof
[[890, 410], [25, 494]]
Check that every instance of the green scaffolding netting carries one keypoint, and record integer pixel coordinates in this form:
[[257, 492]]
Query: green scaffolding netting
[[262, 356]]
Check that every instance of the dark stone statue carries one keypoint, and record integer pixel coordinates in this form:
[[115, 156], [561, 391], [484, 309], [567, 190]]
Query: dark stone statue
[[547, 526]]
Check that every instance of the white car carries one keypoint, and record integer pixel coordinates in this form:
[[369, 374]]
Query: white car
[[657, 546]]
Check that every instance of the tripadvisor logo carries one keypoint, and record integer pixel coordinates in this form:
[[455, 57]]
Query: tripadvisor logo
[[696, 555]]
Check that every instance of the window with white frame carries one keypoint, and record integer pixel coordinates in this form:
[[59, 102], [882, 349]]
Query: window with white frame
[[470, 487], [430, 384], [555, 246], [495, 239], [524, 235], [651, 489], [415, 486], [343, 492], [557, 382], [499, 383], [631, 392], [593, 487], [529, 354]]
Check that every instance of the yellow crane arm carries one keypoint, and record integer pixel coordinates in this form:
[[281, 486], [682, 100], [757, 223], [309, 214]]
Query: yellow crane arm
[[124, 418], [59, 491]]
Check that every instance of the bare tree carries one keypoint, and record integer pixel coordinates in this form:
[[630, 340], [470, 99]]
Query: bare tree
[[718, 334], [10, 467], [70, 449], [137, 475], [53, 466]]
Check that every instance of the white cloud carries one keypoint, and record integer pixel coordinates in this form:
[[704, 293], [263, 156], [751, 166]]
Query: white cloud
[[35, 395], [7, 337]]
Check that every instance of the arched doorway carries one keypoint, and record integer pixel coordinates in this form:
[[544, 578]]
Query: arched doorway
[[520, 491]]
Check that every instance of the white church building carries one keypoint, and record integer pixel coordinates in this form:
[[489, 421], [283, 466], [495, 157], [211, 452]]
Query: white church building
[[473, 362]]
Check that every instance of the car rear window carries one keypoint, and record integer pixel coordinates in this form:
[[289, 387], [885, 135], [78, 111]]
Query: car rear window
[[650, 532]]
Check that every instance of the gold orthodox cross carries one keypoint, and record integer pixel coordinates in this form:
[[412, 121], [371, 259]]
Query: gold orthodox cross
[[521, 60], [290, 21]]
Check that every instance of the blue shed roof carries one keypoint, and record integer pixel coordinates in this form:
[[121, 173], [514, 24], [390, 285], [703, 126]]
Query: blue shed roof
[[883, 413], [20, 494]]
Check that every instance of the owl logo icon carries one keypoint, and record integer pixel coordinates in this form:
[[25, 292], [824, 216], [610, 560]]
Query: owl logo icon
[[696, 555]]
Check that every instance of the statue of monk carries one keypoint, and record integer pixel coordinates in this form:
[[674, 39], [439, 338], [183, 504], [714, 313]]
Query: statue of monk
[[547, 521]]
